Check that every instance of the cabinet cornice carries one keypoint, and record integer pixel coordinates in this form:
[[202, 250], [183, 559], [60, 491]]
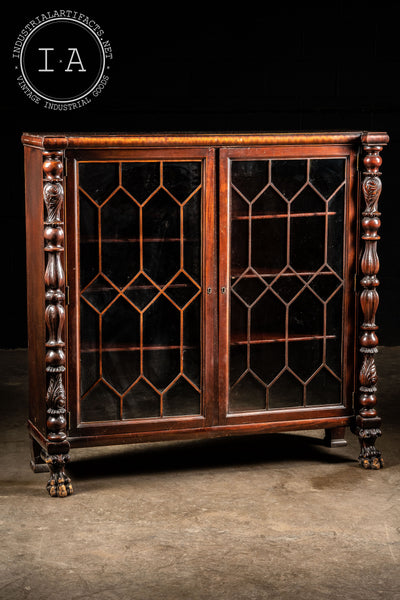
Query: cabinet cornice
[[52, 141]]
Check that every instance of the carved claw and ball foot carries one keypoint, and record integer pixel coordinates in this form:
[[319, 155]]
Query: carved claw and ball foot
[[371, 462], [59, 485], [370, 457]]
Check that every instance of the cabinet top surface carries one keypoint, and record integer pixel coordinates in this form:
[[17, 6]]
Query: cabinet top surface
[[62, 140]]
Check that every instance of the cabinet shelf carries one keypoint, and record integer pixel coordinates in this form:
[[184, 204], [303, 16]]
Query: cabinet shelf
[[137, 287], [128, 348], [281, 215], [239, 340], [236, 273], [87, 240]]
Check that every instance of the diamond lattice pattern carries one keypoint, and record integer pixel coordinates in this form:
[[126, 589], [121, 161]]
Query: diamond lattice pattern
[[286, 283], [140, 278]]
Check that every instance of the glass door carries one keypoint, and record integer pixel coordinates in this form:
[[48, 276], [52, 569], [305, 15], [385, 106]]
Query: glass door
[[287, 276], [143, 258]]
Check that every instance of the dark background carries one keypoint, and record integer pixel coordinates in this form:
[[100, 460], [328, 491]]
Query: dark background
[[242, 67]]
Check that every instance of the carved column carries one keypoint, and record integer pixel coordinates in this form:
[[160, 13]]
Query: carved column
[[57, 443], [367, 421]]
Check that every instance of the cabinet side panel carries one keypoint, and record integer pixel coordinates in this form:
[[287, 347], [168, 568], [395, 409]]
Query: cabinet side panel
[[35, 287]]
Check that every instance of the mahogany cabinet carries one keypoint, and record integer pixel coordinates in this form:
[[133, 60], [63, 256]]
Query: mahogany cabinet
[[185, 286]]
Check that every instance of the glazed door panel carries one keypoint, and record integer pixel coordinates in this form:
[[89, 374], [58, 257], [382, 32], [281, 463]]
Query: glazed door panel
[[144, 256], [285, 264]]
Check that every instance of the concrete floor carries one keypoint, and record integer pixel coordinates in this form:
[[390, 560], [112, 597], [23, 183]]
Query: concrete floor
[[264, 517]]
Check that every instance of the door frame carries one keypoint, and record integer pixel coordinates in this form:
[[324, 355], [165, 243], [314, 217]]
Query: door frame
[[113, 429], [350, 267]]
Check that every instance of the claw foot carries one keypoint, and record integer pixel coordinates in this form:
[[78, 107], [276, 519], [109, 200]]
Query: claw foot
[[372, 462], [59, 484]]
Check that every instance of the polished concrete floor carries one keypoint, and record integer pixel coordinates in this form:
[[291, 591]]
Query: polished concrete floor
[[252, 518]]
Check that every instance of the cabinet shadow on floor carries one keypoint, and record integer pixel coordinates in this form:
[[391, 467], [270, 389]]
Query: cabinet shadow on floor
[[270, 450]]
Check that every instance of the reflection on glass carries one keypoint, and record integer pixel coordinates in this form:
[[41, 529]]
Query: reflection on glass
[[250, 177], [140, 179], [237, 362], [289, 176], [327, 174], [120, 368], [161, 366], [270, 202], [142, 401], [306, 315], [181, 399], [288, 285], [308, 201], [101, 403], [267, 360], [335, 232], [161, 218], [268, 317], [286, 392], [240, 247], [89, 246], [324, 388], [305, 357], [249, 288], [90, 358], [307, 243], [98, 180], [247, 394], [239, 319], [181, 179], [100, 293], [161, 324], [268, 245], [121, 325]]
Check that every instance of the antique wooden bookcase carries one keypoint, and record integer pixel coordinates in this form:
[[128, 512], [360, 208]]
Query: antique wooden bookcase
[[200, 285]]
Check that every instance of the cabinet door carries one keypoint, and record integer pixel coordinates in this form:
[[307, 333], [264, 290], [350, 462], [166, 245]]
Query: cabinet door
[[139, 263], [287, 263]]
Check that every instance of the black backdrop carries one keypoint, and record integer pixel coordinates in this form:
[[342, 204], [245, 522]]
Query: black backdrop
[[281, 66]]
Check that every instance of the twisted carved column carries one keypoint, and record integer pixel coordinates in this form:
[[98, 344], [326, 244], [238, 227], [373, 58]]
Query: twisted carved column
[[367, 421], [57, 443]]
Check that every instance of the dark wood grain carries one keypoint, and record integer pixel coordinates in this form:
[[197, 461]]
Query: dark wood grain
[[58, 141], [35, 266], [55, 421], [368, 422], [56, 455]]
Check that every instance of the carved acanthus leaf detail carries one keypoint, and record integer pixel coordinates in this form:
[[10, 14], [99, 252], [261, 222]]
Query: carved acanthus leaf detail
[[368, 375], [367, 420], [54, 280], [372, 187], [53, 198]]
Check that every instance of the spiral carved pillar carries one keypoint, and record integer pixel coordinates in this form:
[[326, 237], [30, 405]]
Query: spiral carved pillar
[[57, 445], [367, 421]]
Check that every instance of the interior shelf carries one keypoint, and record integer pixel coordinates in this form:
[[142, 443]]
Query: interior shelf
[[239, 339], [281, 215], [236, 273], [87, 240], [127, 348], [137, 287]]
